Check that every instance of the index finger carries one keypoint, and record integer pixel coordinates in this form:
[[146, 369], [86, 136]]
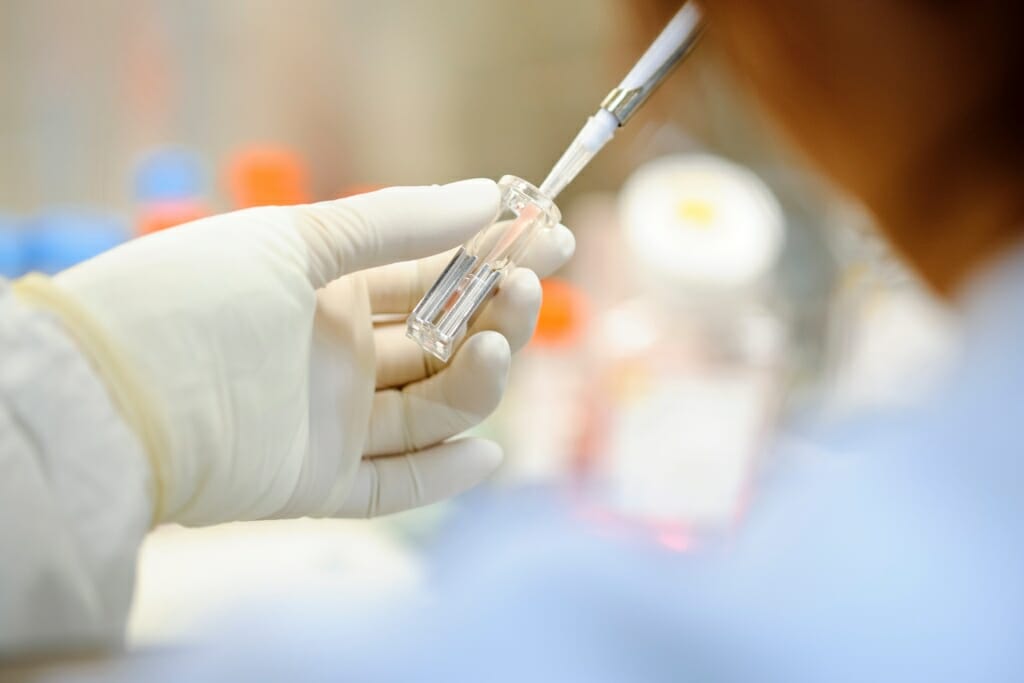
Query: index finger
[[393, 224]]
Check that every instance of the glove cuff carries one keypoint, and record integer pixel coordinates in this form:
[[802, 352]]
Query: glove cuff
[[128, 393]]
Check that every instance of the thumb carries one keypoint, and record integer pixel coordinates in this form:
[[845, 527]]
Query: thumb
[[394, 224]]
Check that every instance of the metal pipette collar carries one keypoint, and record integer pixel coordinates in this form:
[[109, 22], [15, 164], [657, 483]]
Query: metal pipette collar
[[667, 50], [665, 53]]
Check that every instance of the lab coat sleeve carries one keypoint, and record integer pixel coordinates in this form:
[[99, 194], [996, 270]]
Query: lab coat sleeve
[[884, 557], [74, 501]]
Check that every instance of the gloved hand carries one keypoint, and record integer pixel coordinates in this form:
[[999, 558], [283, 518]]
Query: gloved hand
[[258, 379]]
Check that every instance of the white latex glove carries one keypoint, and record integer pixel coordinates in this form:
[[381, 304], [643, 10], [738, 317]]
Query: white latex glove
[[258, 380]]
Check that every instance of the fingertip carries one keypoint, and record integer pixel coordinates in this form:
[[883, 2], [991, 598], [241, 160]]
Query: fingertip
[[475, 459], [522, 287], [565, 242], [487, 351], [480, 195], [488, 456], [550, 250], [481, 185], [523, 307], [476, 378]]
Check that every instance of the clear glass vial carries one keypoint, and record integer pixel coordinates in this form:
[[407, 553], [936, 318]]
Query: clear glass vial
[[441, 318]]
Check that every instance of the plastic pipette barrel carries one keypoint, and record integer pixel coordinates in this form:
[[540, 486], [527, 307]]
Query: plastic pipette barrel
[[667, 50], [595, 134]]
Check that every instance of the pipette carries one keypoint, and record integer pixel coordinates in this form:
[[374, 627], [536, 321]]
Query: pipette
[[667, 51], [443, 315]]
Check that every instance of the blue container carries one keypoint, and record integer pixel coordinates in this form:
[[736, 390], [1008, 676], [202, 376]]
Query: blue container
[[169, 174], [58, 239]]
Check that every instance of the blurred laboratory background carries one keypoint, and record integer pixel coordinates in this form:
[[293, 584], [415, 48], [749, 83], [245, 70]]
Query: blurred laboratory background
[[721, 290]]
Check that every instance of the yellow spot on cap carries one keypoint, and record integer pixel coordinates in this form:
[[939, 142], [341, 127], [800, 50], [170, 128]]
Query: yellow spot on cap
[[696, 212]]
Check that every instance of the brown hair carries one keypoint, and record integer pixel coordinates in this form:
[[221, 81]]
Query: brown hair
[[914, 106]]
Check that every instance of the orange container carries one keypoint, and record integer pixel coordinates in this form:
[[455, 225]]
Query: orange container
[[267, 176], [563, 314]]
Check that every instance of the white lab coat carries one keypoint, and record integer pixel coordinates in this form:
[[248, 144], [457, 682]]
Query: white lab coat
[[73, 501]]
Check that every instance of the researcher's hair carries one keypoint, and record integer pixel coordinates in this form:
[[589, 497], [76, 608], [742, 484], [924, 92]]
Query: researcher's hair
[[914, 106]]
